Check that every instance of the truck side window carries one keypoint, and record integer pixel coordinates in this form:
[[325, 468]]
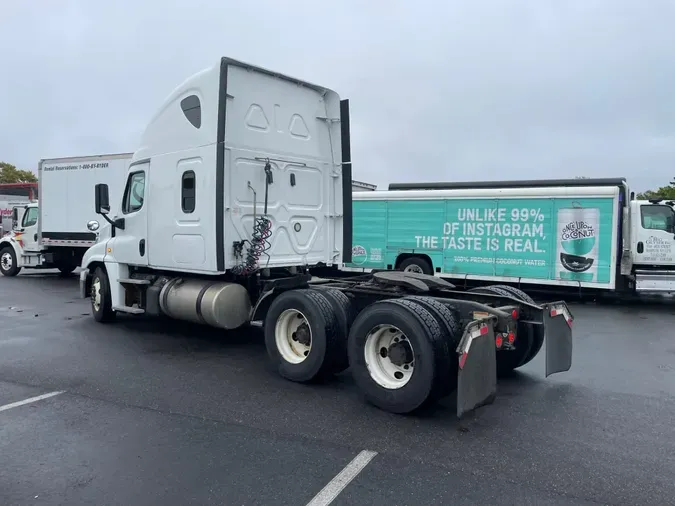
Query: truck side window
[[192, 108], [657, 217], [30, 217], [188, 192], [134, 192]]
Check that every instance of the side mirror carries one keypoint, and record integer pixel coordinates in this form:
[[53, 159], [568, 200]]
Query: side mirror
[[101, 199], [15, 214]]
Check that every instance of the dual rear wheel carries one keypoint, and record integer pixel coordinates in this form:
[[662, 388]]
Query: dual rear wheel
[[401, 351], [529, 337]]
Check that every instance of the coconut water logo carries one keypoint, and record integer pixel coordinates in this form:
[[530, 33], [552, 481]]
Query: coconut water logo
[[359, 255], [577, 240], [656, 242]]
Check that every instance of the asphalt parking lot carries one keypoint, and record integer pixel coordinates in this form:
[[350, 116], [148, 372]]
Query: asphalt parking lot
[[157, 412]]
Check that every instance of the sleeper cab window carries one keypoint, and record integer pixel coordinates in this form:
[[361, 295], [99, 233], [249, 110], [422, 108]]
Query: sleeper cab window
[[188, 192], [192, 108], [134, 192], [657, 217]]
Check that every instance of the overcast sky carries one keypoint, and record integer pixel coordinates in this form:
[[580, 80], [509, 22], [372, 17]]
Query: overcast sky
[[454, 90]]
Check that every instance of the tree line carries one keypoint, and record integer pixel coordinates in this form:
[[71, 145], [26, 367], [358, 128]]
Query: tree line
[[664, 192], [10, 174]]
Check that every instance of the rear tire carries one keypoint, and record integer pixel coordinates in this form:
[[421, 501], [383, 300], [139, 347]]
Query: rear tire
[[398, 354], [345, 314], [449, 320], [66, 269], [536, 331], [302, 335], [8, 263], [507, 361], [416, 264], [101, 301]]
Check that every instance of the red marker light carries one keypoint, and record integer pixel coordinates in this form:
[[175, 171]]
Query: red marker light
[[499, 341], [483, 330], [512, 337], [514, 314]]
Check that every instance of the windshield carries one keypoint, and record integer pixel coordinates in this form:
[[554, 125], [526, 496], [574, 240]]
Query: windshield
[[30, 217], [657, 217]]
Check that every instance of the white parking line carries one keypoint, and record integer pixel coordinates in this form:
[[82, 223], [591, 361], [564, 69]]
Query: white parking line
[[28, 401], [337, 484]]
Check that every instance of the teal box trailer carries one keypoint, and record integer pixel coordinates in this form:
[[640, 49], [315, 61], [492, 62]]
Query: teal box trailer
[[587, 234]]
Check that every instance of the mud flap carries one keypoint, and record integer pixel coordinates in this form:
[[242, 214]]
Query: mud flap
[[558, 335], [477, 373]]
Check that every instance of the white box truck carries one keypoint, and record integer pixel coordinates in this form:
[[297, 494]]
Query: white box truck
[[54, 232], [577, 236], [239, 193]]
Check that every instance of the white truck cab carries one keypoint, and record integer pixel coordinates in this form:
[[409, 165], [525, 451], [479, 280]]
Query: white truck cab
[[20, 247], [234, 152], [652, 245]]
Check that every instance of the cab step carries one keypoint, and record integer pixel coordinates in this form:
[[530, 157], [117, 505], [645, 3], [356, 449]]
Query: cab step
[[133, 281], [128, 309]]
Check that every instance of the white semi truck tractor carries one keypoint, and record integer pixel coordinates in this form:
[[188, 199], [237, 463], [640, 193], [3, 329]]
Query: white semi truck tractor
[[239, 192]]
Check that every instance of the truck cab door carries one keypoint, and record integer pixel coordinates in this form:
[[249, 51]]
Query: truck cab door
[[27, 232], [129, 246], [655, 237]]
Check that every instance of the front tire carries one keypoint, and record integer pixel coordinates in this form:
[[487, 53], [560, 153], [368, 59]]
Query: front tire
[[398, 355], [101, 302], [302, 335], [8, 263]]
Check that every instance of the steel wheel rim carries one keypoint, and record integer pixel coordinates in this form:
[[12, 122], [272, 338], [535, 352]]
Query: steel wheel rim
[[382, 370], [6, 261], [96, 294], [289, 325], [414, 268]]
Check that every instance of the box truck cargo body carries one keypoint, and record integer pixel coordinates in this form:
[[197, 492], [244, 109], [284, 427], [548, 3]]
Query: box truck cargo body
[[586, 234], [55, 231]]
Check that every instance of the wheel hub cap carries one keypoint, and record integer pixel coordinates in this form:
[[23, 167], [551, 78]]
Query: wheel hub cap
[[389, 357], [96, 294], [293, 336], [6, 261], [400, 353]]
